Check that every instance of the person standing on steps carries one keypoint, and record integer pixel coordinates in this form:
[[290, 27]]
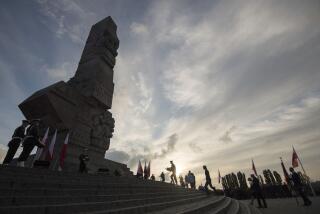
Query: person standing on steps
[[152, 177], [257, 191], [192, 180], [251, 192], [173, 175], [208, 180], [83, 158], [30, 141], [181, 181], [15, 141], [298, 187], [162, 177]]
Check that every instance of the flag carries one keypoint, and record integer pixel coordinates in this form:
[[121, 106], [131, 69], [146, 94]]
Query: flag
[[145, 170], [254, 168], [148, 169], [294, 159], [219, 176], [43, 141], [285, 173], [52, 143], [63, 151], [140, 170]]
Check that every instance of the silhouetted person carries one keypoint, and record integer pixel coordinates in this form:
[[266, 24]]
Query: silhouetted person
[[298, 187], [173, 175], [192, 180], [162, 177], [208, 180], [186, 181], [152, 177], [30, 141], [251, 191], [181, 181], [257, 191], [15, 141], [83, 158]]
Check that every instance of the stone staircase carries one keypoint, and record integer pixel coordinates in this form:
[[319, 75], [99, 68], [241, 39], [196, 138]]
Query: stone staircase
[[27, 190]]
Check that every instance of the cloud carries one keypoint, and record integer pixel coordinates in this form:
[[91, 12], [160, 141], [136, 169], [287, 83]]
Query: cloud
[[63, 72], [69, 19], [170, 146], [194, 147], [132, 158], [138, 28], [119, 156], [226, 137]]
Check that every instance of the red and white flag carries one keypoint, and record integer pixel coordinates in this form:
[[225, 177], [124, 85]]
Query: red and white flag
[[44, 142], [145, 170], [285, 173], [295, 158], [52, 143], [64, 151], [149, 169], [140, 170], [254, 168], [219, 176]]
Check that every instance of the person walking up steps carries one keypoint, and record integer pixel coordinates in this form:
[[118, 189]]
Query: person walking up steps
[[173, 176], [208, 180]]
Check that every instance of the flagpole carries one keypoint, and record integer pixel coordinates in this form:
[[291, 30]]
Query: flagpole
[[286, 175], [308, 179]]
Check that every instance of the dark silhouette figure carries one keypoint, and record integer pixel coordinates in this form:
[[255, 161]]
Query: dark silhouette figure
[[208, 180], [173, 175], [251, 191], [30, 141], [181, 181], [257, 191], [83, 158], [162, 177], [298, 187], [15, 141], [192, 180], [152, 177], [186, 179]]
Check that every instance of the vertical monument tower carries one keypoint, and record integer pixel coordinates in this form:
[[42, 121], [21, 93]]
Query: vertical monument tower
[[81, 106]]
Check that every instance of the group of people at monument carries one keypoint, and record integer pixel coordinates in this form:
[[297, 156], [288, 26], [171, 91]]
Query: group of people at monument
[[27, 135]]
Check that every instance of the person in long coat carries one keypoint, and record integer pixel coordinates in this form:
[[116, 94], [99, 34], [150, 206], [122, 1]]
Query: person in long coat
[[31, 140], [15, 141]]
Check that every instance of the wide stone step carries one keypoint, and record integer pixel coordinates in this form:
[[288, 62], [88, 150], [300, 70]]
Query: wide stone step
[[75, 177], [149, 208], [44, 173], [10, 192], [43, 200], [197, 207], [27, 183], [89, 206]]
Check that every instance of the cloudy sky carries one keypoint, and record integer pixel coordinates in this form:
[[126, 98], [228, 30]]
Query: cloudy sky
[[197, 82]]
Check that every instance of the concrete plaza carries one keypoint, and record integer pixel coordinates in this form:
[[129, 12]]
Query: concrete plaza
[[289, 206]]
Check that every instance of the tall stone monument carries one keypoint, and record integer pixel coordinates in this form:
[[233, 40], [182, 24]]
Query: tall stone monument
[[80, 106]]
